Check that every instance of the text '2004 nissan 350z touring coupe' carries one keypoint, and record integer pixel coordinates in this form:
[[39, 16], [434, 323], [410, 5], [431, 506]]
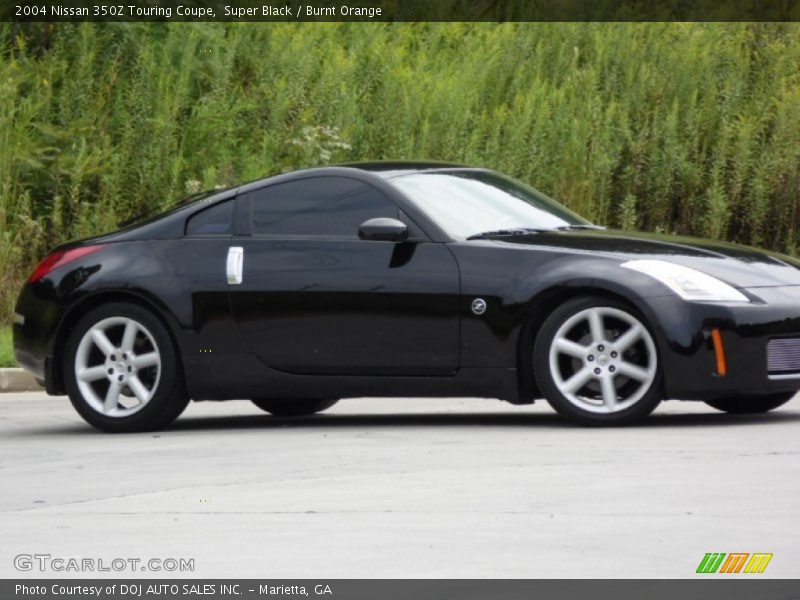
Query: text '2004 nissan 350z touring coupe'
[[404, 279]]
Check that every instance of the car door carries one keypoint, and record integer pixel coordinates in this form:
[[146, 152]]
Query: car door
[[314, 298]]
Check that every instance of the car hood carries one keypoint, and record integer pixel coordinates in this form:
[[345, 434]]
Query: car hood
[[740, 266]]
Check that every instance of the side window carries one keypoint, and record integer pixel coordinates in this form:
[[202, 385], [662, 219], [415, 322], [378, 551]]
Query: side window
[[215, 220], [333, 206]]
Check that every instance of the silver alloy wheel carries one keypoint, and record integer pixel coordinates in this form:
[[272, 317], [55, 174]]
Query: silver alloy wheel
[[117, 378], [603, 360]]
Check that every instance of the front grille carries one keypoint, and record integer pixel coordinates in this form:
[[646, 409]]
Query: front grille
[[783, 355]]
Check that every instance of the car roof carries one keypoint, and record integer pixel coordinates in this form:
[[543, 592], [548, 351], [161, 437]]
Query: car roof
[[394, 168]]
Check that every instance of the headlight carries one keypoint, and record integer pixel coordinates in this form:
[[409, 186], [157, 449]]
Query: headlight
[[688, 283]]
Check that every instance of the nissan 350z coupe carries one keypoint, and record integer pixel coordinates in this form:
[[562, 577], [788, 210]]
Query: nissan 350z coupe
[[404, 279]]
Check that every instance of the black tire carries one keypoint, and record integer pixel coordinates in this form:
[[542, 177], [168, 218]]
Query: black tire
[[650, 396], [751, 405], [293, 407], [169, 397]]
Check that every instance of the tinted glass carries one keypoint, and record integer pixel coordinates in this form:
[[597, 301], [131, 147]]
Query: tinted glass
[[465, 203], [317, 206], [215, 220]]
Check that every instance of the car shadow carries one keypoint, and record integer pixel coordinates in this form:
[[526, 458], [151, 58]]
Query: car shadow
[[536, 420], [333, 421]]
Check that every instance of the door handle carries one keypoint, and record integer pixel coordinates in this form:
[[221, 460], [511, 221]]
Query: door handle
[[235, 265]]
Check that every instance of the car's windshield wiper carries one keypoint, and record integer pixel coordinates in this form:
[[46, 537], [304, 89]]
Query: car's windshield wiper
[[577, 227], [502, 232], [530, 230]]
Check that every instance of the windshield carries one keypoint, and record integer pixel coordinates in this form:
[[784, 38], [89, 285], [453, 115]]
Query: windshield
[[467, 203]]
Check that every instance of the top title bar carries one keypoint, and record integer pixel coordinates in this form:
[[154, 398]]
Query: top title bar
[[58, 11]]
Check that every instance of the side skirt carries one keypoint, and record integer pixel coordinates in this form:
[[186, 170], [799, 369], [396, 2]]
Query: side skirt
[[236, 376]]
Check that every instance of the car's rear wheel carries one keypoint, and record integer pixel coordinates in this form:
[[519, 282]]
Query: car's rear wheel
[[122, 371], [748, 405], [293, 407], [596, 363]]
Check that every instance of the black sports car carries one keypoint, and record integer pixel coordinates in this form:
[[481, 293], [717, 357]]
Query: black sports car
[[404, 279]]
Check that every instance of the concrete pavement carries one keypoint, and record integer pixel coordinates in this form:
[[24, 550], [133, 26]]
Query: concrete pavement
[[402, 488], [17, 380]]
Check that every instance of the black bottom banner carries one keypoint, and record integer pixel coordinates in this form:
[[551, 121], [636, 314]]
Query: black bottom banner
[[390, 589]]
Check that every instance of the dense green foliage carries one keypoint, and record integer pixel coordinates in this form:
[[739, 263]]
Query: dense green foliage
[[6, 348], [690, 128]]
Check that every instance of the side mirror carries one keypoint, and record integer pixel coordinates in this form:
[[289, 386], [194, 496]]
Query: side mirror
[[383, 229]]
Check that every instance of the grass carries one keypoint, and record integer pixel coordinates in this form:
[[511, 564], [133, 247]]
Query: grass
[[689, 128], [6, 348]]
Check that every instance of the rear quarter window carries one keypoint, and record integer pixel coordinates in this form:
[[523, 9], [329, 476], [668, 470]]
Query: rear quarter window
[[214, 220]]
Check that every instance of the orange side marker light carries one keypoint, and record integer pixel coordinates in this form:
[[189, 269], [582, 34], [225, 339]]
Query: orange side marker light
[[719, 352]]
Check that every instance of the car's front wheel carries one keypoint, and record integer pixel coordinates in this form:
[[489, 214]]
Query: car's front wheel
[[293, 407], [749, 405], [596, 363], [121, 370]]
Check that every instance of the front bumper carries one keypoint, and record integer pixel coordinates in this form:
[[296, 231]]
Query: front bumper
[[688, 355]]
